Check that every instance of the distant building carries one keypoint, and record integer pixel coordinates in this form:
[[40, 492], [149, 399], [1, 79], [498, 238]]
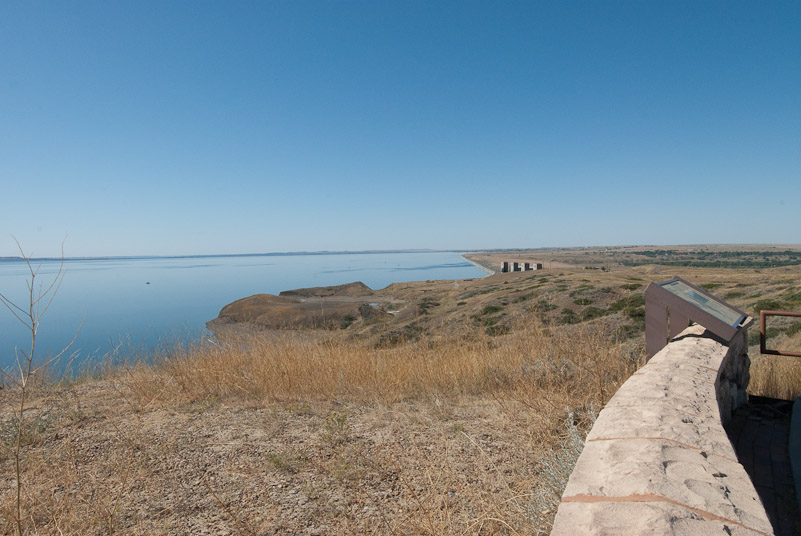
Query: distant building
[[517, 266]]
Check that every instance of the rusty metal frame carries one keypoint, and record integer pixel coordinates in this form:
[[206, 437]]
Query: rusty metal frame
[[763, 322]]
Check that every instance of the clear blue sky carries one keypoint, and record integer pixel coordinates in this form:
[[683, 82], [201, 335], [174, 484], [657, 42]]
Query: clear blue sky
[[193, 127]]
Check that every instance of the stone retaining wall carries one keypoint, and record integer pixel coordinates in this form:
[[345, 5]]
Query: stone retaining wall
[[658, 460]]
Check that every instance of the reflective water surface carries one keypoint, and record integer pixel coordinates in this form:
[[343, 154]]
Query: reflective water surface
[[135, 304]]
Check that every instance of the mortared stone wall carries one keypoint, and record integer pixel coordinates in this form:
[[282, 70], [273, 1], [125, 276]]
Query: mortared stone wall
[[658, 460]]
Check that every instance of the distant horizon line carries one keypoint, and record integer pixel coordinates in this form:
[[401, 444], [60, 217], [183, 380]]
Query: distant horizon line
[[225, 255], [370, 252]]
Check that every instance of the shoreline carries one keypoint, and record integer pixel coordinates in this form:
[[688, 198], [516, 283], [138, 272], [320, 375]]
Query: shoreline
[[488, 271], [164, 318]]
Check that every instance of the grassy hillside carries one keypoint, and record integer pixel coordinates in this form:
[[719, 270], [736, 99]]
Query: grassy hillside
[[459, 413]]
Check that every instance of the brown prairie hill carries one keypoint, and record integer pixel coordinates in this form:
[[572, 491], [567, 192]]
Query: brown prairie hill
[[579, 286], [349, 289], [320, 307]]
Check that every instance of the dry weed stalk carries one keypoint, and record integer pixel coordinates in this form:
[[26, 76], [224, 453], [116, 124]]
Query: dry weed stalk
[[30, 315]]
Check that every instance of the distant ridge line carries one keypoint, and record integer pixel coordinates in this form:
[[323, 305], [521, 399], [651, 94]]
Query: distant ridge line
[[229, 255]]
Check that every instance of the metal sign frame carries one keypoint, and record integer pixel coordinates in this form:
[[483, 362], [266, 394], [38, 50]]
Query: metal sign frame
[[668, 314], [763, 332]]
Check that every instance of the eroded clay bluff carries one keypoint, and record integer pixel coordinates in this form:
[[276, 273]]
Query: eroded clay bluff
[[658, 460]]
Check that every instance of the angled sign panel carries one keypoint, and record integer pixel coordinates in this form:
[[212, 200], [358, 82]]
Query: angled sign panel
[[670, 306]]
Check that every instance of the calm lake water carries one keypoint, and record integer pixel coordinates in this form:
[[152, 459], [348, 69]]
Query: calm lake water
[[136, 304]]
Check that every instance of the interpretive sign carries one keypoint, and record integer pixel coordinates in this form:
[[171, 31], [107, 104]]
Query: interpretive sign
[[720, 310], [670, 306]]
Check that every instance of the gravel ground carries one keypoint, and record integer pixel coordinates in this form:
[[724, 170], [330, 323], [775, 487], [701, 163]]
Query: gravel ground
[[97, 463]]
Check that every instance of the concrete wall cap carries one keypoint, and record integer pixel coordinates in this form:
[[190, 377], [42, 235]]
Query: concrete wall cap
[[658, 459]]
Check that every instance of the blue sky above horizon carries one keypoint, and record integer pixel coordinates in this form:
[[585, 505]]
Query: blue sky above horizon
[[203, 127]]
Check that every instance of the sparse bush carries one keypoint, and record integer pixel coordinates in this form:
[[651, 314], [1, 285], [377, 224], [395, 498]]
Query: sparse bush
[[632, 306], [791, 299], [490, 321], [623, 304], [766, 305], [568, 316], [286, 461], [627, 332], [426, 304], [336, 428], [523, 297], [33, 429], [497, 329], [396, 337], [754, 335], [491, 309], [592, 312], [544, 306], [347, 320], [636, 313], [556, 468], [580, 289]]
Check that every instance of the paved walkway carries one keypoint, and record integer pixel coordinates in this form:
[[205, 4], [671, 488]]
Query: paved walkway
[[759, 432]]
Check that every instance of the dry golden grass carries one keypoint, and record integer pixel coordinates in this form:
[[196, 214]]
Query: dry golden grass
[[579, 362], [454, 432], [775, 377], [448, 436]]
